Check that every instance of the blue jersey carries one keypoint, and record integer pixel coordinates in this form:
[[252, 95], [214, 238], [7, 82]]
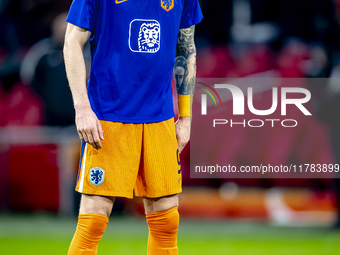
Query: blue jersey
[[133, 47]]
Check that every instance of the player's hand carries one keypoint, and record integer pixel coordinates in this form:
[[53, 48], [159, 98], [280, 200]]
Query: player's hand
[[182, 127], [89, 127]]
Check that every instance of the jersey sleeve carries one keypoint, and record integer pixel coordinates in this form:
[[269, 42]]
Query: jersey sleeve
[[191, 14], [83, 13]]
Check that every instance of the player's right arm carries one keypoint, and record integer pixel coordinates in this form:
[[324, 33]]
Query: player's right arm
[[88, 125]]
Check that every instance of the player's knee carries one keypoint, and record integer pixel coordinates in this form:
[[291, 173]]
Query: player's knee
[[96, 204], [153, 205], [92, 225], [165, 222]]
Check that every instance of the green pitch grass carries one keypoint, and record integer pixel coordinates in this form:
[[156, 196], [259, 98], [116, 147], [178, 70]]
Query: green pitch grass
[[43, 235]]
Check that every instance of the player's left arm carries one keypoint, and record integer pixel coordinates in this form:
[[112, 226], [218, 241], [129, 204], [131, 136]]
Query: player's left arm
[[185, 76]]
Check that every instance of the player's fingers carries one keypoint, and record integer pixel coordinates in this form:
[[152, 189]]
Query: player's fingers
[[80, 135], [182, 142], [85, 139], [179, 144], [100, 130], [90, 138], [96, 140], [181, 147]]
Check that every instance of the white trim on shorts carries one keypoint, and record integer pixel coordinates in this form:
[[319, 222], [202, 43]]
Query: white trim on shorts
[[82, 177]]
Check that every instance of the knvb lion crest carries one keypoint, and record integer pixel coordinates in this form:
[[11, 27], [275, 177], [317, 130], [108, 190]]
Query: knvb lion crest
[[97, 176], [168, 5]]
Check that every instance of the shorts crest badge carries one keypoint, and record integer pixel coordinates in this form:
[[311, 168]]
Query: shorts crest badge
[[167, 5], [97, 176]]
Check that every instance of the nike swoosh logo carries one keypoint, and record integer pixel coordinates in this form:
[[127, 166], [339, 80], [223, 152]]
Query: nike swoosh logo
[[119, 2]]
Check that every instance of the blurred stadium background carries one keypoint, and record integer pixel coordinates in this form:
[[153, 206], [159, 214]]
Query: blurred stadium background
[[39, 147]]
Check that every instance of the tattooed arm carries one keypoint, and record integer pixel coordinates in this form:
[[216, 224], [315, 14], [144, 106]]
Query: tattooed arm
[[185, 64], [185, 75]]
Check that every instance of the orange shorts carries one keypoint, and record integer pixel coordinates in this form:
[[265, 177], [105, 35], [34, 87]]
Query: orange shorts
[[139, 158]]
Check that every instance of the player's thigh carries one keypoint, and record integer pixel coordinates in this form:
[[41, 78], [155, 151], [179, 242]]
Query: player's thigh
[[96, 204], [152, 205]]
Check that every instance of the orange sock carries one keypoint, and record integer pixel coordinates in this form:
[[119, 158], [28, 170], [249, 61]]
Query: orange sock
[[163, 227], [89, 231]]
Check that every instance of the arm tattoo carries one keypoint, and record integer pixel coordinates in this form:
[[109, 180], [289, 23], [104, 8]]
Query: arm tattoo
[[185, 63]]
